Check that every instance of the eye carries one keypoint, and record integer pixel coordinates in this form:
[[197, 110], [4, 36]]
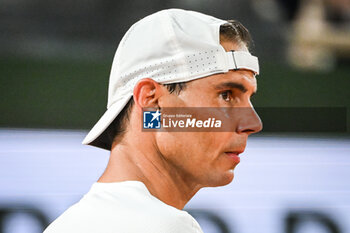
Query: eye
[[226, 95]]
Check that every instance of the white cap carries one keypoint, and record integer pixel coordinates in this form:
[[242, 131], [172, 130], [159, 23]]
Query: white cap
[[168, 46]]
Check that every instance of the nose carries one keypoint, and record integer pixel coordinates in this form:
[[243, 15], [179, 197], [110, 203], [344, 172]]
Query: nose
[[249, 121]]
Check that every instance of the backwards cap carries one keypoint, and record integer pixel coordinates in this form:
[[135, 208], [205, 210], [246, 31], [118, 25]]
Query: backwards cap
[[168, 46]]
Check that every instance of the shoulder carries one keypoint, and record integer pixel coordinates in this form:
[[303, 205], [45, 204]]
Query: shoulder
[[127, 208], [157, 220]]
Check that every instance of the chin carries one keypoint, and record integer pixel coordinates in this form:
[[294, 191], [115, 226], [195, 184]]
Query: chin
[[221, 180], [228, 178]]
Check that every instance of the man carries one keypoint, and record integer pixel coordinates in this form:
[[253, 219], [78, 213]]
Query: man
[[179, 59]]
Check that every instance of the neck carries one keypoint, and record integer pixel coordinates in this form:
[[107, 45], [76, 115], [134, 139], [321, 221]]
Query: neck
[[163, 180]]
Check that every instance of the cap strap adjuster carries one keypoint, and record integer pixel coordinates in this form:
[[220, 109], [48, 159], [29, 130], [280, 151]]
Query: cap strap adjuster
[[242, 60]]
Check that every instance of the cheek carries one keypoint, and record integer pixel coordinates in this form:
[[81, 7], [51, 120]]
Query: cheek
[[214, 143], [176, 146], [190, 149]]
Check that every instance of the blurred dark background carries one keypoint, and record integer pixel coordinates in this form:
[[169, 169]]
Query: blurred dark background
[[55, 56]]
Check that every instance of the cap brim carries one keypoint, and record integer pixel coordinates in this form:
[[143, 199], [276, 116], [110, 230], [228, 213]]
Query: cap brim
[[95, 137]]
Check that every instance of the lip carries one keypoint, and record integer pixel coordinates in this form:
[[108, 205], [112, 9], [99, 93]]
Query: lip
[[234, 155], [234, 152]]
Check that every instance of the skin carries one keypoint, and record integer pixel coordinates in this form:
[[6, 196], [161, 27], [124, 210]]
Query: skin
[[174, 166]]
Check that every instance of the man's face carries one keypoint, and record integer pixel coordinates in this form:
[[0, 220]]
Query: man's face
[[208, 158]]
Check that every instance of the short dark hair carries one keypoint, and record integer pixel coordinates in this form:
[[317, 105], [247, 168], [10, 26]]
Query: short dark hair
[[235, 31], [231, 31]]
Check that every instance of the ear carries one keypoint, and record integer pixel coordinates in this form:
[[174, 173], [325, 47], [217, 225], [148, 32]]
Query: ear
[[146, 93]]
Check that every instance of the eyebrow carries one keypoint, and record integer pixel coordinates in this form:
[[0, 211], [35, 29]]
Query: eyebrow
[[233, 85]]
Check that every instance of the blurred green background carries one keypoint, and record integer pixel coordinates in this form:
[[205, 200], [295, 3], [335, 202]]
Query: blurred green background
[[52, 93]]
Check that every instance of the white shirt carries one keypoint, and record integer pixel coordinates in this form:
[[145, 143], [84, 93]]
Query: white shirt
[[123, 207]]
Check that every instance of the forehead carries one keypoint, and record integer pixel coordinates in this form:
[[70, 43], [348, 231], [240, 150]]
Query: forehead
[[243, 77]]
